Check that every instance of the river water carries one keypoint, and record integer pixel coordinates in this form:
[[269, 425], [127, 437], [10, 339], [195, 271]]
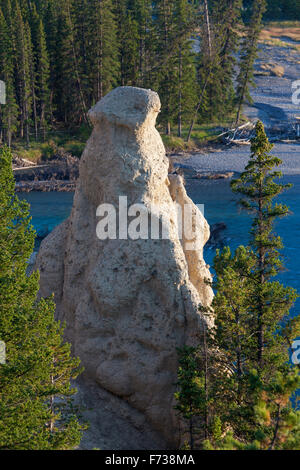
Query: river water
[[220, 205]]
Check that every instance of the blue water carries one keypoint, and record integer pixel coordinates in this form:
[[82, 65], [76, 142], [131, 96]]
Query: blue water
[[48, 209], [220, 204]]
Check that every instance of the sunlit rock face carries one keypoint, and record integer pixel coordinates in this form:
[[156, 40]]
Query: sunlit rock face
[[129, 303]]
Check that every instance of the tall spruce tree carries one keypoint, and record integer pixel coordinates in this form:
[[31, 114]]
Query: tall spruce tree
[[41, 95], [253, 312], [185, 64], [23, 66], [35, 411], [251, 381], [165, 33], [248, 56], [103, 48], [227, 25], [42, 78], [9, 111]]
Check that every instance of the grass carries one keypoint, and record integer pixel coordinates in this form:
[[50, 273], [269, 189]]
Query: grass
[[202, 134], [271, 69], [279, 43], [39, 152], [282, 24], [74, 142], [276, 33]]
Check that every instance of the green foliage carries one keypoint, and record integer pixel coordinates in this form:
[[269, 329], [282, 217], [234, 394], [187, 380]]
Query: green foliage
[[8, 112], [249, 379], [282, 10], [36, 410], [191, 394], [248, 55], [59, 59]]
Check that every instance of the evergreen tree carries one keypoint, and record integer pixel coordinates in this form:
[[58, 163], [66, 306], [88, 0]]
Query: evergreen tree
[[248, 56], [208, 68], [190, 396], [23, 71], [35, 411], [253, 325], [128, 40], [258, 185], [42, 74], [70, 97], [67, 56], [103, 57], [9, 111], [33, 77], [165, 31], [186, 64], [52, 37], [250, 382], [227, 23]]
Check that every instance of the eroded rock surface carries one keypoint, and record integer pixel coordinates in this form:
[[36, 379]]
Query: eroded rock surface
[[128, 304]]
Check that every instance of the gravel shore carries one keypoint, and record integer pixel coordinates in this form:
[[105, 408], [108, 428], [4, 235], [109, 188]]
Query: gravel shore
[[234, 159], [273, 105]]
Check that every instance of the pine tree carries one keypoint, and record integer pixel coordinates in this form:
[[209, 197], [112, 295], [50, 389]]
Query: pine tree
[[227, 23], [207, 62], [253, 325], [9, 111], [141, 11], [42, 73], [70, 98], [165, 32], [35, 380], [185, 64], [23, 70], [248, 56], [33, 77], [136, 42], [103, 58], [250, 382], [50, 22], [190, 396], [258, 185]]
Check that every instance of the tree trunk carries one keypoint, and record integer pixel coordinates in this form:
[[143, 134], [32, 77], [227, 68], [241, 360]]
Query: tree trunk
[[262, 281], [198, 107], [180, 94], [207, 22]]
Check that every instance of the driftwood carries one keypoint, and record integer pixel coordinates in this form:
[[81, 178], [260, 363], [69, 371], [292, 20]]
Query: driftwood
[[239, 141], [239, 135], [278, 132]]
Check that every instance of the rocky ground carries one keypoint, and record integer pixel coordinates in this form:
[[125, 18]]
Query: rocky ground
[[273, 94], [58, 174], [233, 159], [272, 104]]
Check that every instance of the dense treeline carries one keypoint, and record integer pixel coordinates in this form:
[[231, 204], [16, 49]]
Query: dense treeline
[[277, 10], [283, 10], [59, 58]]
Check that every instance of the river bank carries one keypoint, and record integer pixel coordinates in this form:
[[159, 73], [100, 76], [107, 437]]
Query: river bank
[[233, 160]]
